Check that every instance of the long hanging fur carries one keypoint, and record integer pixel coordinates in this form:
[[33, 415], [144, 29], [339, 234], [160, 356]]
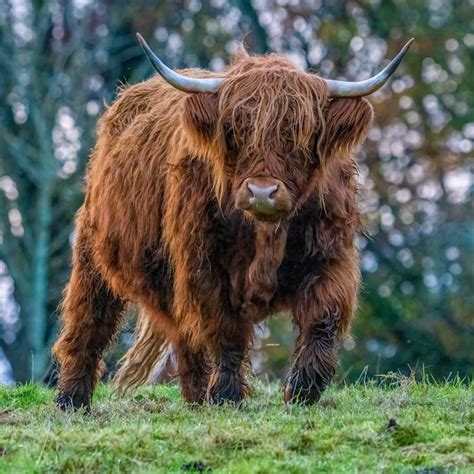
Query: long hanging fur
[[147, 360]]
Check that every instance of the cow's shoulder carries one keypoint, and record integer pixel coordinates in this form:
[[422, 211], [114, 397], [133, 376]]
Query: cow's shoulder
[[132, 102]]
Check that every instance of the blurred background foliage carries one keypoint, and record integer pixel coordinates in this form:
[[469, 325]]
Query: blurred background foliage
[[62, 60]]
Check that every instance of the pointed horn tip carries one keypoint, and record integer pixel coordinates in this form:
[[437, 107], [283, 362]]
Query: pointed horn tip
[[409, 43], [404, 50], [140, 38]]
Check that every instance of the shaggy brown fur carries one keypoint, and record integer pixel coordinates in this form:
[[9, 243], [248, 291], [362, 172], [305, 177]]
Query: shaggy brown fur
[[159, 228]]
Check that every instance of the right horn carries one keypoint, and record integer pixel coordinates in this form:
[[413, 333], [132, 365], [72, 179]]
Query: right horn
[[363, 88]]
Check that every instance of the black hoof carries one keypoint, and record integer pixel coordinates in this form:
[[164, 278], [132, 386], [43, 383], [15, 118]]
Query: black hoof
[[71, 403], [228, 388], [300, 390]]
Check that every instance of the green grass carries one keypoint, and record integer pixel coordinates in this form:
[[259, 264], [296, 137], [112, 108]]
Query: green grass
[[154, 431]]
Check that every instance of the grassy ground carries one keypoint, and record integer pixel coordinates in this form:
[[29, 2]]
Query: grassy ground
[[399, 427]]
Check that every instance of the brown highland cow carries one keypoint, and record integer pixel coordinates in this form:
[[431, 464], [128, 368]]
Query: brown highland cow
[[211, 203]]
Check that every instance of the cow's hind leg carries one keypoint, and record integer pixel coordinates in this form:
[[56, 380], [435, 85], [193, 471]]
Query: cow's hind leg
[[90, 317]]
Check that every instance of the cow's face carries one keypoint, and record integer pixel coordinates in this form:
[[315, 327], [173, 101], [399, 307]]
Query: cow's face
[[271, 136]]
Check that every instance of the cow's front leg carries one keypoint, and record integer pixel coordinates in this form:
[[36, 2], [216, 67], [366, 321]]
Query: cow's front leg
[[229, 344], [315, 359], [194, 370], [322, 313]]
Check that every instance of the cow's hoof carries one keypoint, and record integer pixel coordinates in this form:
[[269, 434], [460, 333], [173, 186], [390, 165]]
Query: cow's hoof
[[304, 396], [300, 389], [70, 403], [194, 398], [223, 398], [234, 396], [228, 388]]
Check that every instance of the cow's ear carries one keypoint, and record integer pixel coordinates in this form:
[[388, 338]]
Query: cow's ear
[[200, 118], [348, 122]]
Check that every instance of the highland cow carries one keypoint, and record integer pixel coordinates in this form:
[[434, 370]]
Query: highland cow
[[211, 203]]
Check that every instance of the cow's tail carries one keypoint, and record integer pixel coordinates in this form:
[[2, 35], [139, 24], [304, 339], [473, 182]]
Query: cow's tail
[[149, 360]]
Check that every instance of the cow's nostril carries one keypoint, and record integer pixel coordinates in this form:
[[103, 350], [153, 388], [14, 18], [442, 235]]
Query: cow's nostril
[[274, 193]]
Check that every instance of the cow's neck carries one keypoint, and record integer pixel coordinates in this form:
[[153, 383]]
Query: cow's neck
[[261, 280]]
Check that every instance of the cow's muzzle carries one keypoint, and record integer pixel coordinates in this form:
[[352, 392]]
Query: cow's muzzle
[[264, 198]]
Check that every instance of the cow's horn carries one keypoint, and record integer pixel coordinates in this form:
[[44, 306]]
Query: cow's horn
[[184, 83], [362, 88]]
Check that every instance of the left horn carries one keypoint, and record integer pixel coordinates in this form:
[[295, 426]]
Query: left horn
[[362, 88], [183, 83]]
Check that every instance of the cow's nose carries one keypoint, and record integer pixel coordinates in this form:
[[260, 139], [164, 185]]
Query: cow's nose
[[262, 197]]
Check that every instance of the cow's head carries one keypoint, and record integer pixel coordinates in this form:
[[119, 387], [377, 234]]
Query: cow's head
[[271, 131]]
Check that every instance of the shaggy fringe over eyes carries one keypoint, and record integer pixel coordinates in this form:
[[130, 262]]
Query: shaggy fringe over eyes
[[283, 105], [271, 107]]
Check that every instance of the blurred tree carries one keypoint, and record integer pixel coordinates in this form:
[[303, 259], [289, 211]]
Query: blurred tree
[[52, 89], [41, 50]]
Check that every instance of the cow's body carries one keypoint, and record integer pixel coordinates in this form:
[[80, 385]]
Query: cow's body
[[160, 230]]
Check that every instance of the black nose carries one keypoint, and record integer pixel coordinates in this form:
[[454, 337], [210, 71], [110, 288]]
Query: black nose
[[262, 198]]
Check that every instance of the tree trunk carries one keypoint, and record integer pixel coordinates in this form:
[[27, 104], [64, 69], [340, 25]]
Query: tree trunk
[[18, 354], [37, 322]]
